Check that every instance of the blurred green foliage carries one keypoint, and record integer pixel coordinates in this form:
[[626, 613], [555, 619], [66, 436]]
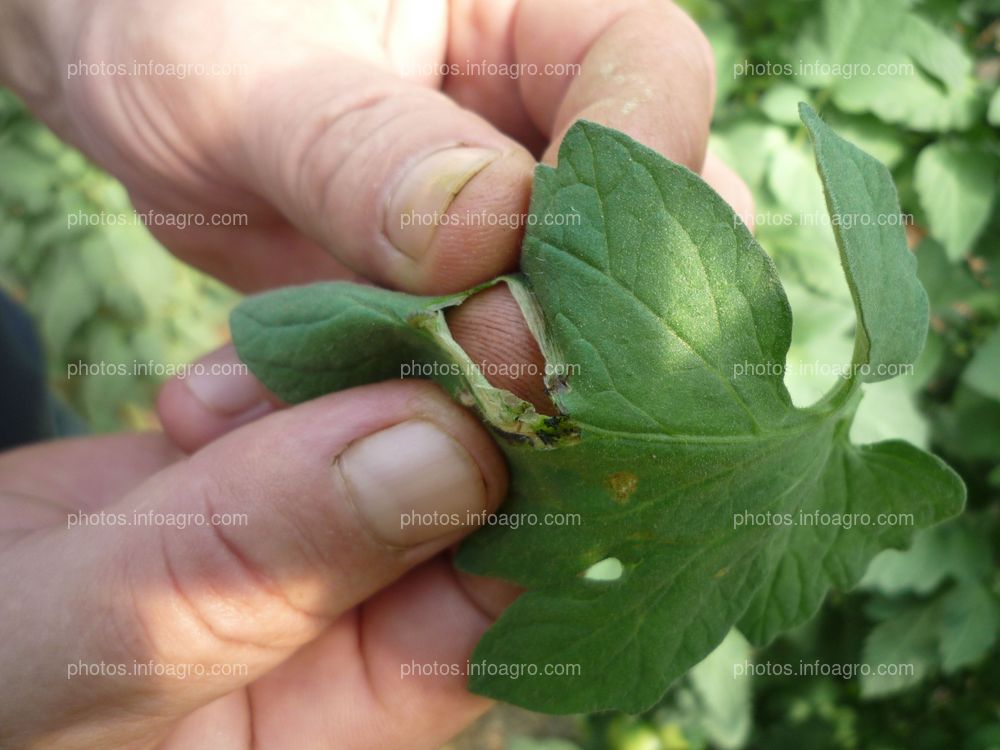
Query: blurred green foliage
[[105, 295], [111, 294]]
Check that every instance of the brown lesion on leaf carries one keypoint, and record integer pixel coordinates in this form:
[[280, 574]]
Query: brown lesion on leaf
[[622, 485]]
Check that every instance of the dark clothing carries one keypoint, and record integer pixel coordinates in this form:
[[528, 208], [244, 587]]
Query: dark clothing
[[28, 411]]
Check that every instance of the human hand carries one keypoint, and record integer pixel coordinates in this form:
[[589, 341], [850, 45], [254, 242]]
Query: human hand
[[293, 624], [327, 124], [335, 124], [332, 133]]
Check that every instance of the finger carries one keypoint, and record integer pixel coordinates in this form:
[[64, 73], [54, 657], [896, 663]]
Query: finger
[[415, 661], [492, 330], [641, 66], [221, 393], [341, 496], [35, 495], [484, 70], [217, 396], [731, 187], [225, 724], [391, 675], [390, 176], [645, 69], [271, 252]]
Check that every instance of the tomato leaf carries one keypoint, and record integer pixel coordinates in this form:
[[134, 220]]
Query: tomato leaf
[[666, 330], [957, 185], [858, 51]]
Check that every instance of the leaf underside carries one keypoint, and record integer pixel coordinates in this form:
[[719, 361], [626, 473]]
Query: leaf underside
[[671, 328]]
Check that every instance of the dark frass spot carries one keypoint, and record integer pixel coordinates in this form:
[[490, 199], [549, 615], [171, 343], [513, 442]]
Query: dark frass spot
[[511, 437], [558, 386]]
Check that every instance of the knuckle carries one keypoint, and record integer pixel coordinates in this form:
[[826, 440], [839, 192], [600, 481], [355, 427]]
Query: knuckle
[[217, 597]]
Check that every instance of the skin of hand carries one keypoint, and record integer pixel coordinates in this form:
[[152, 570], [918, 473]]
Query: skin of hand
[[330, 127], [285, 579]]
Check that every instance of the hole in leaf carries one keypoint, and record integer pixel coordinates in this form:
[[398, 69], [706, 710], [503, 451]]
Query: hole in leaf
[[608, 569]]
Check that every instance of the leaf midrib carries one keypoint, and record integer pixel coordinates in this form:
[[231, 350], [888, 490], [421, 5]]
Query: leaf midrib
[[814, 421]]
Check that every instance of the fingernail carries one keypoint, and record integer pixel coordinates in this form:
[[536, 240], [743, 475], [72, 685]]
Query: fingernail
[[412, 483], [225, 385], [426, 192]]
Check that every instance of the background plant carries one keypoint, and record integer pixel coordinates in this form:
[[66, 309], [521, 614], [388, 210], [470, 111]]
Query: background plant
[[102, 291]]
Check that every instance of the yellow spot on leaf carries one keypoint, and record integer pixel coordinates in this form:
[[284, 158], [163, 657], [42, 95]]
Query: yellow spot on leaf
[[622, 485]]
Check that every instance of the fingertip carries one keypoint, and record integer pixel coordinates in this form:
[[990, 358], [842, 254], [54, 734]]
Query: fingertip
[[474, 237], [189, 425], [214, 396], [731, 187], [491, 596], [425, 628], [173, 410], [644, 67]]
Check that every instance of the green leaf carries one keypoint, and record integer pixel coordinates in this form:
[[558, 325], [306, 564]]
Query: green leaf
[[63, 301], [530, 743], [859, 51], [946, 283], [889, 410], [893, 319], [967, 427], [970, 622], [958, 550], [747, 145], [28, 181], [993, 115], [307, 341], [845, 33], [917, 639], [13, 233], [325, 326], [780, 102], [983, 372], [635, 737], [901, 651], [883, 141], [957, 185], [665, 329], [724, 701], [793, 181]]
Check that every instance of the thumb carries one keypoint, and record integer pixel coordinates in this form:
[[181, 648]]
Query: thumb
[[221, 566], [398, 182]]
